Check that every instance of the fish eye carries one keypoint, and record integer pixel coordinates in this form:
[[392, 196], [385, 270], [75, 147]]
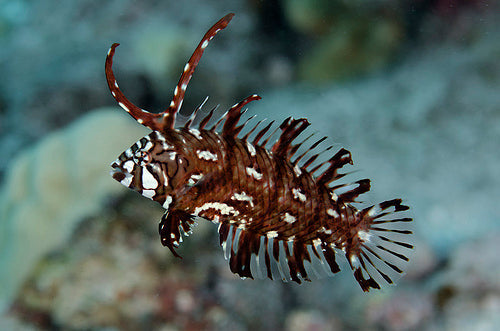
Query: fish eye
[[145, 156], [142, 157]]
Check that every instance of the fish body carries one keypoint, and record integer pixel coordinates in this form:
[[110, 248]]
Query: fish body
[[281, 214]]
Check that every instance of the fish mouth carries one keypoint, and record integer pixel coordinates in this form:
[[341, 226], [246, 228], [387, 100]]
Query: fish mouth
[[119, 174]]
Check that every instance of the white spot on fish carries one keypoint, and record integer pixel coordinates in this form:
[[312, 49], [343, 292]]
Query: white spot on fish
[[194, 179], [316, 242], [332, 212], [243, 197], [204, 44], [272, 234], [165, 178], [129, 165], [127, 180], [168, 201], [197, 176], [206, 155], [140, 120], [124, 107], [288, 218], [176, 90], [253, 173], [116, 84], [297, 194], [297, 170], [148, 145], [354, 260], [251, 149], [186, 67], [183, 87], [172, 155], [148, 180], [334, 196], [364, 236], [148, 193], [195, 133], [223, 208]]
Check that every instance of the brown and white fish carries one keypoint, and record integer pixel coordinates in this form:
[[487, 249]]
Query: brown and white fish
[[278, 217]]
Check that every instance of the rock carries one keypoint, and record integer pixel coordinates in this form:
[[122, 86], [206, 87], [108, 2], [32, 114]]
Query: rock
[[52, 186], [310, 320]]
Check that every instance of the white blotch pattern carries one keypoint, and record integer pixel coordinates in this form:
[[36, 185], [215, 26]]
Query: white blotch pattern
[[297, 170], [332, 212], [168, 201], [207, 155], [195, 133], [243, 197], [127, 180], [148, 193], [289, 218], [194, 178], [253, 173], [297, 194], [364, 236], [223, 208], [272, 234], [251, 149], [204, 44], [129, 166], [124, 107], [148, 145], [148, 180]]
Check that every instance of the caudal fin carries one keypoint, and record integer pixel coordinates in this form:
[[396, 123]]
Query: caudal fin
[[381, 247]]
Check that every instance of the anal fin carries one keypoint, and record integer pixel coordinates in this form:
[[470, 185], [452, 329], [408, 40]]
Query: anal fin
[[256, 255]]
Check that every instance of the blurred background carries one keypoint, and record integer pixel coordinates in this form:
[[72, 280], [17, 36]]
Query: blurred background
[[411, 88]]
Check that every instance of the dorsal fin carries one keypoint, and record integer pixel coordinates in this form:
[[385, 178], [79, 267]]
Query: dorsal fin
[[290, 128], [233, 116], [261, 133], [247, 135], [206, 119], [193, 115], [341, 158], [313, 146], [166, 119], [351, 191]]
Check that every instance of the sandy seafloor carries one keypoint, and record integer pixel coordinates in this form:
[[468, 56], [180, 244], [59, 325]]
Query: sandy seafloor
[[411, 89]]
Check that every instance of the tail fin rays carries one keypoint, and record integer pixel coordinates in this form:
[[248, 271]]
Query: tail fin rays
[[381, 246]]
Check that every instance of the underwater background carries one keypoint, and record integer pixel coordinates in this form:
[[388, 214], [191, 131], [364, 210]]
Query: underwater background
[[411, 88]]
